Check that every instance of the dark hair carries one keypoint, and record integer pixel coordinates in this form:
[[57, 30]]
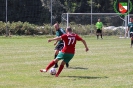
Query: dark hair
[[56, 24], [69, 29]]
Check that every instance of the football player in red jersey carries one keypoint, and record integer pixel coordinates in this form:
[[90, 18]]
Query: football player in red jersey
[[59, 44], [68, 50]]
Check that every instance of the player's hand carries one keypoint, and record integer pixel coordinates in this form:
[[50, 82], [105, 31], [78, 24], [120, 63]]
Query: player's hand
[[55, 44], [87, 49], [49, 40]]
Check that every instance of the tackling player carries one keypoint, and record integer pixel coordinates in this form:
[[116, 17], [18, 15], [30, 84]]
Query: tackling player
[[130, 29], [60, 44], [68, 50]]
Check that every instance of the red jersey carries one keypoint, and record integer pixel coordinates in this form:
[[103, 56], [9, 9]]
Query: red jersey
[[70, 42]]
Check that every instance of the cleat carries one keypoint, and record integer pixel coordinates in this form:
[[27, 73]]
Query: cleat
[[43, 70], [56, 75]]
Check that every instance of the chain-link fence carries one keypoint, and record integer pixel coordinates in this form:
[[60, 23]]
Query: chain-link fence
[[84, 23]]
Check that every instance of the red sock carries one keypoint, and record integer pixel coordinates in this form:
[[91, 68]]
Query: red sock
[[59, 70], [50, 65]]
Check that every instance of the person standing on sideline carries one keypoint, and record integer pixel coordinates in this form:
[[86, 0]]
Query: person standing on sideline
[[68, 50], [130, 29], [59, 44], [99, 26]]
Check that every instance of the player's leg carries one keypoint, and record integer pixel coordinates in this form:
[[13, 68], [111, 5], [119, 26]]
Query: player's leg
[[97, 34], [59, 48], [60, 68], [56, 53], [131, 39], [131, 35], [66, 58], [59, 57], [101, 34], [131, 42], [52, 63]]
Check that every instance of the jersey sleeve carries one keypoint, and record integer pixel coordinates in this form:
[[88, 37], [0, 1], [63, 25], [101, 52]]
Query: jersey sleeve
[[62, 30], [78, 38], [63, 36]]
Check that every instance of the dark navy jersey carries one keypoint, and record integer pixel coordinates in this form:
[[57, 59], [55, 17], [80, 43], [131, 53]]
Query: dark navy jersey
[[130, 26], [60, 32]]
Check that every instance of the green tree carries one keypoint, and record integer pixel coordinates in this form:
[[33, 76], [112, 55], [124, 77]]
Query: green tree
[[25, 10]]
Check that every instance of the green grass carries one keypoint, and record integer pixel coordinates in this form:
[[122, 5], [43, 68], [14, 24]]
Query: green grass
[[108, 64]]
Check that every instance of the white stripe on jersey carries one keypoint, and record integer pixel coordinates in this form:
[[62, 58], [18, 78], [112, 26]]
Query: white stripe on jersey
[[62, 31]]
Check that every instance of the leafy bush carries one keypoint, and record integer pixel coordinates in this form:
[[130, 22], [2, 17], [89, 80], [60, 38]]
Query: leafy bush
[[83, 29], [15, 27], [25, 28], [47, 29], [28, 28], [2, 27]]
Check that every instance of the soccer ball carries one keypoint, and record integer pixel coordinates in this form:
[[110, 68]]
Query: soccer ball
[[52, 71]]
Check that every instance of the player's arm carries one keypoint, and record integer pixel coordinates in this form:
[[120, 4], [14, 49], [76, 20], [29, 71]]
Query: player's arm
[[78, 38], [102, 25], [56, 42], [57, 38], [84, 42], [57, 34]]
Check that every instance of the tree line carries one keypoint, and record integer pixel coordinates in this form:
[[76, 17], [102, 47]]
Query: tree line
[[39, 11]]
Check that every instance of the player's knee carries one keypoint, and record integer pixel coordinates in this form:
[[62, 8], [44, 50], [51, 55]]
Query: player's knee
[[56, 60], [63, 63]]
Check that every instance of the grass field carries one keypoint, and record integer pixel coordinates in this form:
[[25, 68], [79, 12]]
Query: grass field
[[108, 64]]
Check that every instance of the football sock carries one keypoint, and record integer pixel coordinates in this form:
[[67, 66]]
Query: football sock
[[50, 65], [59, 70]]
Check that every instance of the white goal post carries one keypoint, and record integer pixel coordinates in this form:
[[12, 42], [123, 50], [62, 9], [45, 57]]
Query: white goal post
[[109, 19]]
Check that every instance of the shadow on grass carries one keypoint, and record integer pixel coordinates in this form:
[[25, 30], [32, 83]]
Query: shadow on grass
[[80, 77], [77, 68], [86, 77]]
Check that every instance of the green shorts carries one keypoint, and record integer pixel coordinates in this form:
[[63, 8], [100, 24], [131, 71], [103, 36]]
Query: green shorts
[[66, 57]]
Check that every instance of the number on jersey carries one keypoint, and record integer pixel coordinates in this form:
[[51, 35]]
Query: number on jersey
[[71, 40]]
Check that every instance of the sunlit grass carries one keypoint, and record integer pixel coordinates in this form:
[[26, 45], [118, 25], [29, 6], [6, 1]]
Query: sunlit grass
[[108, 64]]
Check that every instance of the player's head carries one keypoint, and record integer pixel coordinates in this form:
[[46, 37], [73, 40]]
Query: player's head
[[68, 29], [99, 20], [56, 26], [131, 19]]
